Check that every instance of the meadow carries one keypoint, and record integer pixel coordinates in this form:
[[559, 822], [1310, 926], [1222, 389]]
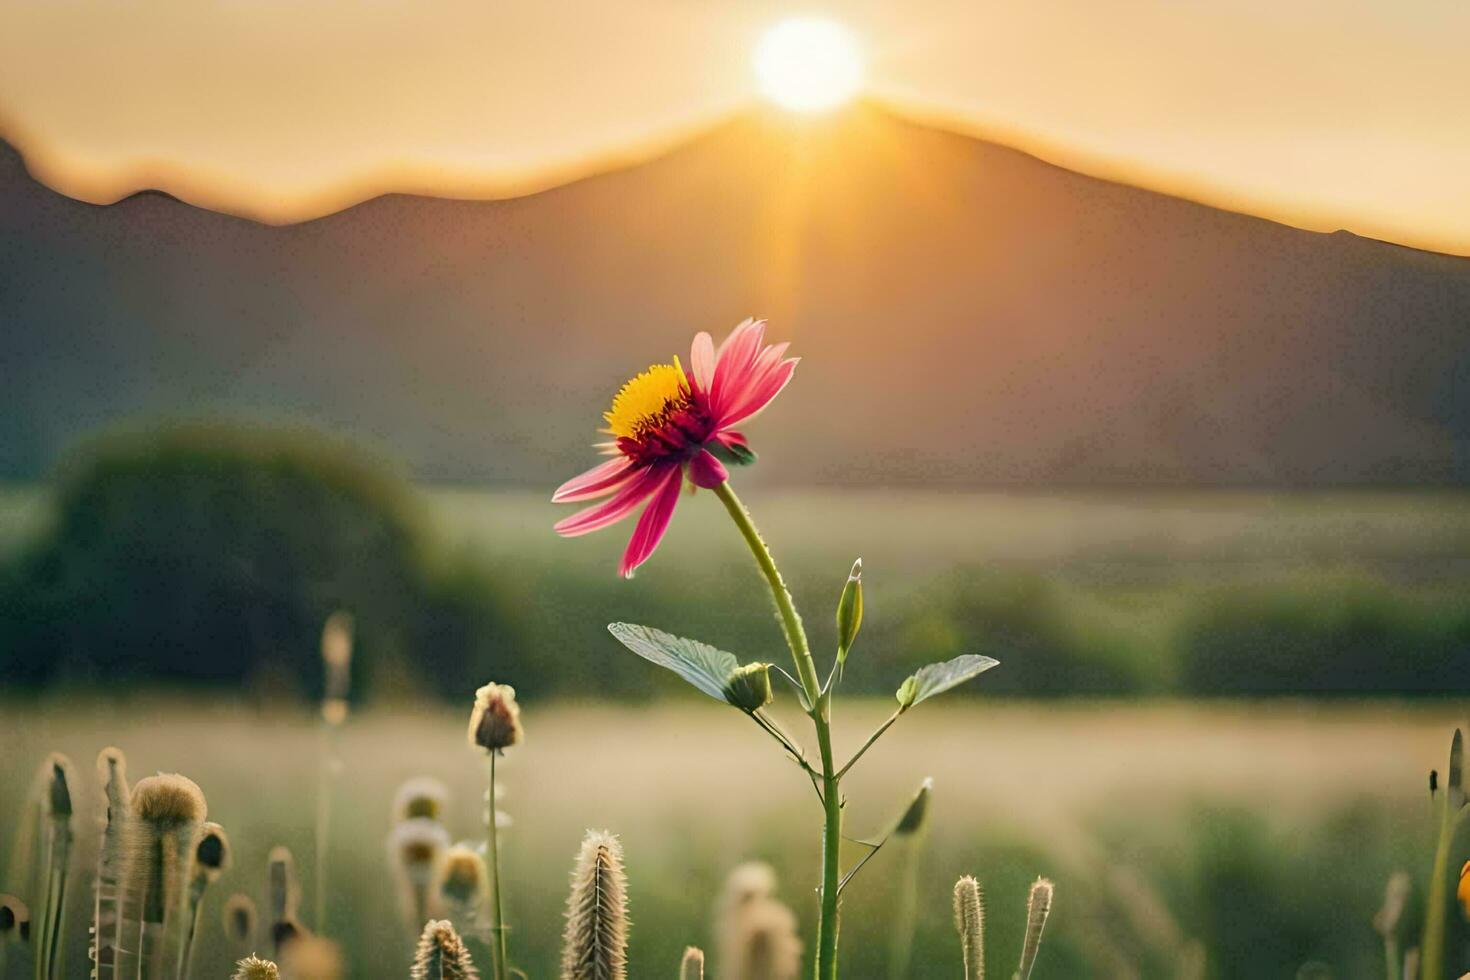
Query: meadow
[[1189, 836], [1257, 838]]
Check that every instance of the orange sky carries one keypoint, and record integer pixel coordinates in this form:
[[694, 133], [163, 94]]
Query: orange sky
[[1319, 113]]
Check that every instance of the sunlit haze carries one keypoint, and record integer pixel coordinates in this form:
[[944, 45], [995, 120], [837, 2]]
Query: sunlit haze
[[808, 64], [1319, 114]]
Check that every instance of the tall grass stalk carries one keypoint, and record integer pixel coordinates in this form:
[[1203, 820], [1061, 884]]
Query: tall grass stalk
[[336, 665], [595, 942], [495, 725], [112, 774], [1389, 919], [417, 846], [284, 898], [211, 858], [57, 810], [909, 834], [1452, 812]]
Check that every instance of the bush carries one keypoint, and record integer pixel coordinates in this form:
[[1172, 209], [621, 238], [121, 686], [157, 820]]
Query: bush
[[1332, 637], [214, 554]]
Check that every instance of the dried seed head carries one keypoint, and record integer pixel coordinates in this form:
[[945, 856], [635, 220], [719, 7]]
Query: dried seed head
[[254, 968], [212, 853], [595, 943], [309, 957], [421, 796], [284, 892], [15, 920], [441, 954], [1038, 907], [239, 919], [418, 844], [749, 687], [766, 946], [168, 801], [969, 920], [1395, 898], [495, 722], [691, 967], [463, 877]]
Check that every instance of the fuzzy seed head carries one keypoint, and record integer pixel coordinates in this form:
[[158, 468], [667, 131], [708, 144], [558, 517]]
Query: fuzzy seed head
[[240, 918], [595, 943], [463, 877], [15, 920], [766, 946], [254, 968], [418, 845], [1395, 898], [441, 954], [112, 774], [969, 920], [212, 853], [495, 721], [58, 780], [309, 957], [691, 967], [1038, 907], [420, 796], [168, 801]]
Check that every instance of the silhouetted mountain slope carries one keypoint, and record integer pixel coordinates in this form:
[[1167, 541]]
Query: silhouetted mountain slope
[[967, 314]]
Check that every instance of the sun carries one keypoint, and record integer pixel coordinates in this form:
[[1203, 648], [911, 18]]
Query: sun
[[808, 64]]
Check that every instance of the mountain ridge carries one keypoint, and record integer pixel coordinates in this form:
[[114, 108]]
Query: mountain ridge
[[1053, 328]]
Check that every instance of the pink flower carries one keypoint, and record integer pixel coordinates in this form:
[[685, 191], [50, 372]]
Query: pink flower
[[666, 422]]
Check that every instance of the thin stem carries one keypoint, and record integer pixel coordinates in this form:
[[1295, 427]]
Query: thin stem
[[324, 822], [493, 841], [869, 743], [820, 709], [1393, 958]]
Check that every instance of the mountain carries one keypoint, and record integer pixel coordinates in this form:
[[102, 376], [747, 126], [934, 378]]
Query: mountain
[[967, 313]]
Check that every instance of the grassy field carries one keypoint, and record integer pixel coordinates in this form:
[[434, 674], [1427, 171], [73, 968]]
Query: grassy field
[[1260, 835]]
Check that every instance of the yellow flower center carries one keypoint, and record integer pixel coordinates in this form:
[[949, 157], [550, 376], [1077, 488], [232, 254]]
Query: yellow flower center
[[644, 402]]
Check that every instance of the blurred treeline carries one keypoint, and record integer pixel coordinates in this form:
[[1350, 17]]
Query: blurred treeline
[[213, 554]]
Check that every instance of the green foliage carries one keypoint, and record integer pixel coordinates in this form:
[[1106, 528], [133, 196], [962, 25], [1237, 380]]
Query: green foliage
[[211, 554], [1339, 636]]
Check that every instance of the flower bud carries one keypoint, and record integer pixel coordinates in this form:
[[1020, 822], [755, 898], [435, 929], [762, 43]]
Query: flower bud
[[913, 818], [1463, 891], [749, 688], [850, 611], [907, 692], [495, 722]]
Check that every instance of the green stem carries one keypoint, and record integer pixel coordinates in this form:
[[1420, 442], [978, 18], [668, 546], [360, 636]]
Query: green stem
[[493, 842], [1393, 958], [820, 709], [328, 765]]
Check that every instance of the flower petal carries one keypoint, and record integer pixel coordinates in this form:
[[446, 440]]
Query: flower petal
[[599, 481], [706, 471], [620, 505], [732, 368], [762, 394], [702, 361], [654, 522]]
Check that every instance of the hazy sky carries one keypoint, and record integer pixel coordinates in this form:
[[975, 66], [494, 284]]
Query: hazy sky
[[1320, 113]]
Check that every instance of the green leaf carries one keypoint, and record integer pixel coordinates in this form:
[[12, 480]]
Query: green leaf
[[698, 663], [938, 678]]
